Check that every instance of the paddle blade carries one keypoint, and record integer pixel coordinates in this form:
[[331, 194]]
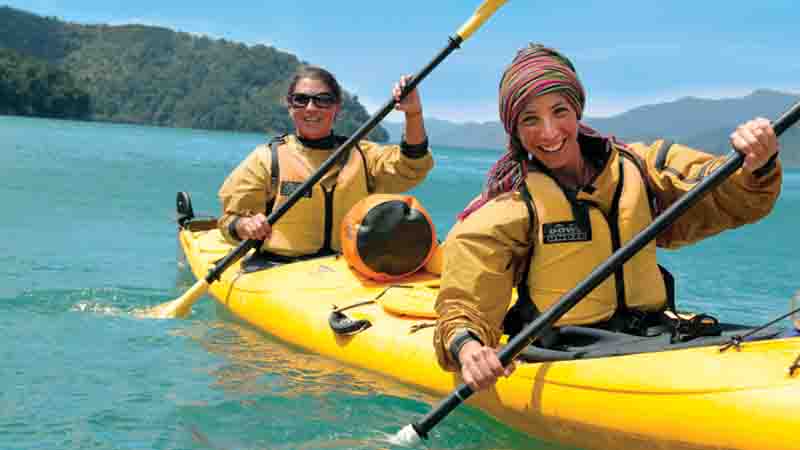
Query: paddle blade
[[480, 16], [180, 307]]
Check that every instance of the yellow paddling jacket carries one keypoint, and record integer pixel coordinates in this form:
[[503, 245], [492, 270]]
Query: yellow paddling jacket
[[557, 240], [261, 183]]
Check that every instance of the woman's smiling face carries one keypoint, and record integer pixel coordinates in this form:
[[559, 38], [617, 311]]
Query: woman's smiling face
[[548, 129], [312, 121]]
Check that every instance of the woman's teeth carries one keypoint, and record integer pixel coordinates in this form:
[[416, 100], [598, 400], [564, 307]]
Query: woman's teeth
[[553, 148]]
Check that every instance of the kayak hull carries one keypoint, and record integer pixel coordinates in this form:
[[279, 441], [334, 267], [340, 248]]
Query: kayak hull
[[695, 398]]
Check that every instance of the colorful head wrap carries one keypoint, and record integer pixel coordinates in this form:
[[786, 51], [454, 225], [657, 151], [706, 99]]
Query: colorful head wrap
[[536, 70]]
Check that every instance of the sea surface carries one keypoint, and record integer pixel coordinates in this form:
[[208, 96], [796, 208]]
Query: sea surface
[[88, 237]]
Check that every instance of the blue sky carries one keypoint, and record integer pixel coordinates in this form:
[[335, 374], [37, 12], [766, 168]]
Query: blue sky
[[627, 53]]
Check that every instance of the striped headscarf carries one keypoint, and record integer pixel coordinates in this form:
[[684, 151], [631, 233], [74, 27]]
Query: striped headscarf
[[536, 70]]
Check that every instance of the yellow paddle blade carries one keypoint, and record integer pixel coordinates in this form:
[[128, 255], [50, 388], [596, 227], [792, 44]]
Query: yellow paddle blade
[[180, 307], [480, 16]]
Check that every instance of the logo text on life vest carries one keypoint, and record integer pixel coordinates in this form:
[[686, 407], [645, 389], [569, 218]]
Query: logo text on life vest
[[560, 232], [288, 187]]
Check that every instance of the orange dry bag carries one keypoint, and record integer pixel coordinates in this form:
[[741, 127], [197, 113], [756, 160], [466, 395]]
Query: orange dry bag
[[387, 236]]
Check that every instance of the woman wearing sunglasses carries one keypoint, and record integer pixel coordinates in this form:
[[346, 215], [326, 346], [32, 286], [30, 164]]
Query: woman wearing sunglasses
[[273, 171]]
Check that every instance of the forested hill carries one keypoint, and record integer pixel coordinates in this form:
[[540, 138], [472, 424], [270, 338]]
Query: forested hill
[[156, 76], [32, 87]]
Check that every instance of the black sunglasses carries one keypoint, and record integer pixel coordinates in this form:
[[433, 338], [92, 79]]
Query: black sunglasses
[[323, 100]]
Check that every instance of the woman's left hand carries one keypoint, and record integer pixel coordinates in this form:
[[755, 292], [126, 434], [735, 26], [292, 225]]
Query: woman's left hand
[[756, 140], [411, 105]]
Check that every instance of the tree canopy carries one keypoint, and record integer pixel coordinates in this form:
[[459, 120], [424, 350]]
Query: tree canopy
[[152, 75], [32, 87]]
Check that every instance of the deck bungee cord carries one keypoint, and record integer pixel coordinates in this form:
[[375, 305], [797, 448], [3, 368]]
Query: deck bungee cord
[[738, 340], [343, 325]]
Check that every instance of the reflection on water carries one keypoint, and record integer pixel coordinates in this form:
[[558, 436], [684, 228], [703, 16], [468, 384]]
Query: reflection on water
[[274, 394], [292, 372], [284, 398]]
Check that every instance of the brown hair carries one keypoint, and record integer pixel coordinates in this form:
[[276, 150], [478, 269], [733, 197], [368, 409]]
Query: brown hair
[[319, 74]]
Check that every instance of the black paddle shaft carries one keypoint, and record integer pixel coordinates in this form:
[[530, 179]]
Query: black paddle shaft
[[242, 249], [599, 274]]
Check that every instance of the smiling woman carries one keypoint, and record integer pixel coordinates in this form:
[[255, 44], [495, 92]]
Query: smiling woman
[[274, 170], [562, 200]]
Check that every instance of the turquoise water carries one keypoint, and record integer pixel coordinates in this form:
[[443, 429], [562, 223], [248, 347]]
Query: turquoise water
[[88, 236]]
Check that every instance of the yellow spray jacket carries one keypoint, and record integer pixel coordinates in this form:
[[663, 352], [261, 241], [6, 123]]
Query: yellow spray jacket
[[485, 254], [315, 217]]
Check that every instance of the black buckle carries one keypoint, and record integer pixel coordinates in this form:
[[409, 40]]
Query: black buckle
[[636, 322], [684, 330]]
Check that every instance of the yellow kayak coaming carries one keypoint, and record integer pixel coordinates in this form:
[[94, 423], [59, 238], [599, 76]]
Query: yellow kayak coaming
[[694, 398]]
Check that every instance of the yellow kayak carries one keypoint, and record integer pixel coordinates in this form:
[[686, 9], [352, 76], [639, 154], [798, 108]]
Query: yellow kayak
[[637, 393]]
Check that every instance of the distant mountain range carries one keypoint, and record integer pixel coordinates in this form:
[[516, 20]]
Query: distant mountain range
[[697, 122]]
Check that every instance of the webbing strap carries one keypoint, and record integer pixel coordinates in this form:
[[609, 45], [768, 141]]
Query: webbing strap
[[274, 172], [661, 159]]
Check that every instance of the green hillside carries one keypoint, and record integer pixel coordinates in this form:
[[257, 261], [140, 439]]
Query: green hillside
[[32, 87], [156, 76]]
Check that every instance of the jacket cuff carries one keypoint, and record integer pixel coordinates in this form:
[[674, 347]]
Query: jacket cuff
[[461, 338], [767, 168], [232, 229], [414, 151]]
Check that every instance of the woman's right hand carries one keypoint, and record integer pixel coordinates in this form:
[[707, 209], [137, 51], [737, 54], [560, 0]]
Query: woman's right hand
[[254, 227], [756, 140], [411, 104], [480, 366]]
